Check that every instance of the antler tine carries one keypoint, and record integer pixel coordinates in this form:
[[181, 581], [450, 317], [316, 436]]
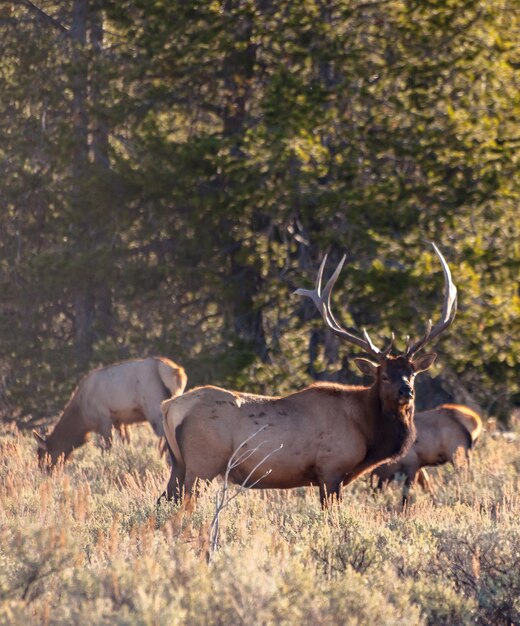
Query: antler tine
[[319, 277], [415, 347], [328, 291], [450, 295], [373, 348], [321, 300], [332, 280], [315, 294], [449, 309], [389, 347]]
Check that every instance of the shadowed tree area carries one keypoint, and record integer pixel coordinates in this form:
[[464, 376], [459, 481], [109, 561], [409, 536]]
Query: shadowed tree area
[[172, 171]]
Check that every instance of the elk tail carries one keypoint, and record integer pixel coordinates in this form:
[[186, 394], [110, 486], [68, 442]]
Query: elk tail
[[171, 439], [172, 376], [174, 411]]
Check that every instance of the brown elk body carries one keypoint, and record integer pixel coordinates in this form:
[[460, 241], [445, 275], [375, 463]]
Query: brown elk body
[[440, 433], [114, 396], [325, 435]]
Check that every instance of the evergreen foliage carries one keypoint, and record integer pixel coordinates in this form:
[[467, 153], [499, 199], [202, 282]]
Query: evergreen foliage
[[172, 171]]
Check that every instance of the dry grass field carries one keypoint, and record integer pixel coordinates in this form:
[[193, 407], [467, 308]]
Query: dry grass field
[[87, 545]]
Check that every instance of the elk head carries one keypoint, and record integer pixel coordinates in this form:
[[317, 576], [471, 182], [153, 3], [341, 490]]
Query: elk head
[[48, 454], [394, 375], [44, 454]]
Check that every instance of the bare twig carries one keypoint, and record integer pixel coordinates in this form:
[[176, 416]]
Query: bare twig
[[222, 499]]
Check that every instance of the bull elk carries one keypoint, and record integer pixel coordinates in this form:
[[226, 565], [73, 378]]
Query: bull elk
[[110, 397], [329, 434], [440, 433]]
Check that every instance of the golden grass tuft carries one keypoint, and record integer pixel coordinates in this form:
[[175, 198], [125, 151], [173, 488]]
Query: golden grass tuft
[[88, 545]]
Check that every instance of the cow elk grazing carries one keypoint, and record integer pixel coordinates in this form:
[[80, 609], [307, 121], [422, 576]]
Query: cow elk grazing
[[110, 397], [441, 432], [329, 434]]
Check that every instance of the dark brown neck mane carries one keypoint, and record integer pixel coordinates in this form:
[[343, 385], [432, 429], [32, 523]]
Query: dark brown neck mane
[[393, 429]]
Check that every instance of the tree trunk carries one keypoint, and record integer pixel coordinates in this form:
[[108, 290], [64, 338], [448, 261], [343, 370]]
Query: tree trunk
[[238, 70], [248, 320], [83, 300], [101, 160]]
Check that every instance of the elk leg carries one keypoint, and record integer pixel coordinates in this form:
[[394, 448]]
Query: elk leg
[[189, 492], [123, 431], [175, 485], [423, 479], [155, 419], [106, 435], [408, 484], [330, 492], [205, 473], [162, 446], [378, 482]]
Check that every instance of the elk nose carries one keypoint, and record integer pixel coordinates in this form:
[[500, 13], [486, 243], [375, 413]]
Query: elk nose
[[406, 392]]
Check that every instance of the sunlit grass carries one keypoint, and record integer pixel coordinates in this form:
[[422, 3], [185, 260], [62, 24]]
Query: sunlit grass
[[89, 545]]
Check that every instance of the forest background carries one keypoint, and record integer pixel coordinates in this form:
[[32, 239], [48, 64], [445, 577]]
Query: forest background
[[171, 172]]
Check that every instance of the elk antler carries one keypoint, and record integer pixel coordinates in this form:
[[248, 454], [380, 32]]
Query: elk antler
[[322, 302], [449, 308]]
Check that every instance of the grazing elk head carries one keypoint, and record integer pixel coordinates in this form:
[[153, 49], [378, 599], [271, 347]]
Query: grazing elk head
[[55, 448], [44, 454], [47, 456], [393, 375]]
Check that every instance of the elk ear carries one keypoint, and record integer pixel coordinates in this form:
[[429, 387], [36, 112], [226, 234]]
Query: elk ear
[[422, 363], [40, 441], [366, 367]]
